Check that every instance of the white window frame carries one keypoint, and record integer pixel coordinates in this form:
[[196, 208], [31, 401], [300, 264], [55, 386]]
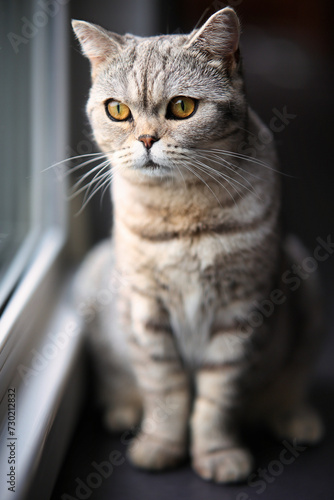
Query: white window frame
[[38, 315]]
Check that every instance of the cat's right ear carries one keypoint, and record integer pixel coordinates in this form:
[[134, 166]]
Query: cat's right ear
[[97, 44], [218, 38]]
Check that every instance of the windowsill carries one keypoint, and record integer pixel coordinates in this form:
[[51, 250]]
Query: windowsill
[[42, 358], [22, 312], [48, 384]]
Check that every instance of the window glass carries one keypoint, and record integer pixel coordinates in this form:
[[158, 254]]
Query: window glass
[[32, 201], [16, 175]]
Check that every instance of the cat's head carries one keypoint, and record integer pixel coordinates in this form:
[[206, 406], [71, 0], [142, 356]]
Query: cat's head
[[154, 101]]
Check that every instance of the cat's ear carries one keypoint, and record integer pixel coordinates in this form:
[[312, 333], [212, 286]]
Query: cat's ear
[[97, 44], [218, 37]]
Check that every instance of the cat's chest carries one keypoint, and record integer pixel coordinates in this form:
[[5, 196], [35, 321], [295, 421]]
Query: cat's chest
[[191, 314], [191, 296]]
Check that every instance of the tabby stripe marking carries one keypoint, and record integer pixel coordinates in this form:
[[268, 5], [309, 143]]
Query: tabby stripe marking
[[154, 357], [224, 366], [140, 291], [165, 212], [224, 228], [219, 405], [165, 359], [166, 390], [235, 131], [219, 449], [207, 399], [224, 330], [145, 77], [152, 326]]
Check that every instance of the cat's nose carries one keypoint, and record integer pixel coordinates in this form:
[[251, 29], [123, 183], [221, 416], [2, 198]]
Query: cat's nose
[[148, 140]]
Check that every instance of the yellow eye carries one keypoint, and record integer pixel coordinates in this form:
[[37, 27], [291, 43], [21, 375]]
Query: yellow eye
[[182, 107], [117, 110]]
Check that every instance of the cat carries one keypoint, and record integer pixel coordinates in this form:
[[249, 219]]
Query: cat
[[173, 301]]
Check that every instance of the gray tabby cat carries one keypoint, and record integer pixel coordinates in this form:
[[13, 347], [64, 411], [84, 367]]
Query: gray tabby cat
[[196, 252]]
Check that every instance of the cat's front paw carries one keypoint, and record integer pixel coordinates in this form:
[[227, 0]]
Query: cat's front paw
[[148, 452], [224, 466]]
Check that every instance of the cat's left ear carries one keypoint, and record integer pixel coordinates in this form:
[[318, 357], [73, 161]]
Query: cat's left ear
[[97, 44], [219, 37]]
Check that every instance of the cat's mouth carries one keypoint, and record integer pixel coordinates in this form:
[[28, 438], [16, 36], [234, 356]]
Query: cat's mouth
[[152, 165], [152, 168]]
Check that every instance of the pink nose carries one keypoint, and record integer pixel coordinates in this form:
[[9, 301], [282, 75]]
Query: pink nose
[[147, 140]]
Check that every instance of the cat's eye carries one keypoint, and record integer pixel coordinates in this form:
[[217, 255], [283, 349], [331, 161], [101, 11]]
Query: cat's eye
[[181, 107], [117, 110]]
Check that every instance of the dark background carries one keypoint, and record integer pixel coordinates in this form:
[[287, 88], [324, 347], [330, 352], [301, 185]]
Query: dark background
[[287, 49]]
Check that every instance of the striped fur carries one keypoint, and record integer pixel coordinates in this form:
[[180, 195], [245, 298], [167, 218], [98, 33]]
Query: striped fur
[[196, 243]]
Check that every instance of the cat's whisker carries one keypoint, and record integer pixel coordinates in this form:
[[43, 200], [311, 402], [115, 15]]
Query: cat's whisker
[[100, 184], [247, 158], [243, 157], [71, 158], [234, 168], [181, 174], [93, 181], [188, 167], [247, 131], [231, 166], [204, 170], [231, 180], [227, 165], [108, 181], [106, 187], [96, 181], [86, 187], [87, 174], [207, 170], [84, 164]]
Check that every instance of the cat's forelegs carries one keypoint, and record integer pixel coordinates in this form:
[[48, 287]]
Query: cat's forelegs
[[162, 440], [216, 452]]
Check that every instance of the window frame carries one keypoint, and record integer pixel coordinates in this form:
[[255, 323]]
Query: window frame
[[47, 403], [48, 233]]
